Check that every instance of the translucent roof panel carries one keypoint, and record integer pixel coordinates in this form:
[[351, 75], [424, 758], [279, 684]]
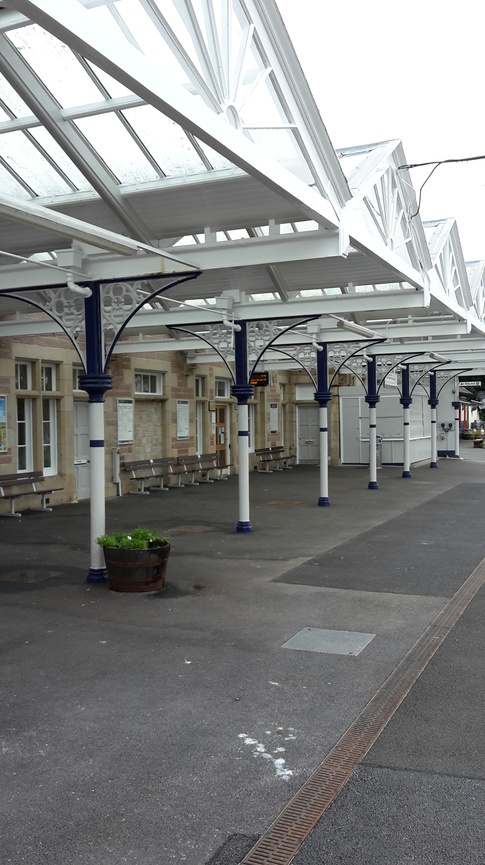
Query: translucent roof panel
[[165, 140], [46, 141], [56, 66], [10, 185], [15, 105], [34, 169], [126, 161]]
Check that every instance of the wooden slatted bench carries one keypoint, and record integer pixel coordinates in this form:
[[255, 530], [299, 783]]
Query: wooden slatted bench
[[162, 469], [190, 465], [15, 486], [267, 457], [282, 458], [207, 464], [140, 471]]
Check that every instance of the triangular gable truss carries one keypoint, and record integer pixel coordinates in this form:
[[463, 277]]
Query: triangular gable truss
[[387, 200], [476, 278], [448, 262]]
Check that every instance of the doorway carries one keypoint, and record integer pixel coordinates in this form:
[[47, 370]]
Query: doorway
[[308, 425], [81, 449]]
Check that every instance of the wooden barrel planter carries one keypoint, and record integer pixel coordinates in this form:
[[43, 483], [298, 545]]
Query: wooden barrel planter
[[136, 570]]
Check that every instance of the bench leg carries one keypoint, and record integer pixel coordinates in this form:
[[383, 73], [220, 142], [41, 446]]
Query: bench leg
[[43, 504], [192, 482], [265, 468], [12, 512], [179, 484], [161, 486], [141, 491]]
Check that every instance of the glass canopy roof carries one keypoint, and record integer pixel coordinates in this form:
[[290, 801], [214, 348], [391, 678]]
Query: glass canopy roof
[[210, 49], [74, 137]]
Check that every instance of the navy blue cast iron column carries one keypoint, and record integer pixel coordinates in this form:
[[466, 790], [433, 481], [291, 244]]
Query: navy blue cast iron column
[[372, 399], [96, 383], [406, 401], [323, 396], [242, 391], [433, 402], [456, 406]]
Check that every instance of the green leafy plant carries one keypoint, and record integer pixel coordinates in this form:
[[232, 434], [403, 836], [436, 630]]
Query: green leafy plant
[[138, 539]]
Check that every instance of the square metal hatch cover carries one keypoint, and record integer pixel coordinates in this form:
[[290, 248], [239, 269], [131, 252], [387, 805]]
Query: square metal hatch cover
[[330, 642]]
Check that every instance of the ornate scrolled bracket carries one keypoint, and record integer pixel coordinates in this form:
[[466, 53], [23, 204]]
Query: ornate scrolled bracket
[[65, 307], [260, 334]]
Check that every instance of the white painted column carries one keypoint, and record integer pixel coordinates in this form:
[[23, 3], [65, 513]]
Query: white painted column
[[457, 429], [98, 513], [324, 500], [434, 446], [372, 448], [406, 442], [244, 524]]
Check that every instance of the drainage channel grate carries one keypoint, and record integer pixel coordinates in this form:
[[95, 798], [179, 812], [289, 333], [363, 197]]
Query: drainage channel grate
[[285, 836]]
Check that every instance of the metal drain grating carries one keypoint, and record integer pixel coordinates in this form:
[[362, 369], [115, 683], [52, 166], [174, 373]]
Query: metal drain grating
[[283, 839]]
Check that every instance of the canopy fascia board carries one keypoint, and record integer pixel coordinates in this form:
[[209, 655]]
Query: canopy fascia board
[[70, 22]]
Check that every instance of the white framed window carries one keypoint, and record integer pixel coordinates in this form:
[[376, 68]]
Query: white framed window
[[222, 388], [148, 383], [49, 436], [77, 371], [48, 377], [199, 427], [23, 375], [251, 408], [24, 434], [199, 386]]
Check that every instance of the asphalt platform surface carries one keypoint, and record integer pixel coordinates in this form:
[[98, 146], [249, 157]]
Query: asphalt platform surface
[[170, 727]]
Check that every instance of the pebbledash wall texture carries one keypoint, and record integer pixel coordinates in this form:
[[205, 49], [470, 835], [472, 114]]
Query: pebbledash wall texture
[[41, 420]]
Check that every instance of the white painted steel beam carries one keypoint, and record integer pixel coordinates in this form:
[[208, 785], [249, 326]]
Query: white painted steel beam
[[77, 229]]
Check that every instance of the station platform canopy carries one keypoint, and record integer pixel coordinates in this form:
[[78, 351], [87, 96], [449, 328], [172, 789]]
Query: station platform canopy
[[176, 148]]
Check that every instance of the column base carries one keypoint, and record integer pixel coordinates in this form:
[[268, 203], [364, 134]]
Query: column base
[[406, 474], [97, 575], [433, 465], [243, 527], [324, 502], [372, 485]]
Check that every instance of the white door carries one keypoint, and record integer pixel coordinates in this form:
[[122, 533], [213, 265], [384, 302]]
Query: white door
[[308, 434], [81, 449]]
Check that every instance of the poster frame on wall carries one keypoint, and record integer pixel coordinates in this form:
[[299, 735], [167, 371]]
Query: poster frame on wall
[[126, 421]]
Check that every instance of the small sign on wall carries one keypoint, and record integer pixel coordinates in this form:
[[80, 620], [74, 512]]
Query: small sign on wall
[[126, 425], [273, 418], [182, 419]]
